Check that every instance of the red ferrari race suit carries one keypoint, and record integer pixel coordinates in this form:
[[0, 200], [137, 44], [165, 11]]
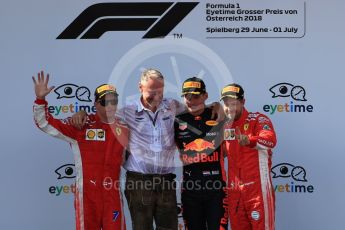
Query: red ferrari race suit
[[251, 194], [98, 153]]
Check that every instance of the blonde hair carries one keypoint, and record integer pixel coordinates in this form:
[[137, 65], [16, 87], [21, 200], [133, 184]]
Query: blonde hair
[[151, 74]]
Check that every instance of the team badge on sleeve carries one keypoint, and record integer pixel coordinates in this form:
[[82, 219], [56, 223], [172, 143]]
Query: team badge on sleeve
[[95, 135], [263, 120], [255, 215], [100, 134], [229, 134], [266, 127]]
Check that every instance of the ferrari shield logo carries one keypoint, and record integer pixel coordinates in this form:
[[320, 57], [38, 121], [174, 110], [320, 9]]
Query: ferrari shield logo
[[118, 131]]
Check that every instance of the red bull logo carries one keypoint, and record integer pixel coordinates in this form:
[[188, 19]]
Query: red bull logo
[[224, 220], [200, 158], [198, 145]]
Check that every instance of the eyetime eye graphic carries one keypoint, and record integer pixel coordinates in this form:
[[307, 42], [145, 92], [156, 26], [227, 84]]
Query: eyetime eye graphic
[[282, 170], [298, 93], [286, 90], [286, 170], [299, 174], [83, 94], [66, 91], [71, 90], [66, 171]]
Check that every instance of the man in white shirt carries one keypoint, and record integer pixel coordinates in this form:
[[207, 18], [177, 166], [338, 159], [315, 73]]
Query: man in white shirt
[[150, 184]]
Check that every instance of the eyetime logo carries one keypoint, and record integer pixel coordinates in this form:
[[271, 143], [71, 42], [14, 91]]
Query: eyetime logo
[[66, 171], [69, 91], [297, 96], [298, 175], [159, 18]]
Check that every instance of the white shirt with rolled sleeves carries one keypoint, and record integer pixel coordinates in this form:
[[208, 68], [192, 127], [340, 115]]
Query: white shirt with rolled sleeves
[[151, 141]]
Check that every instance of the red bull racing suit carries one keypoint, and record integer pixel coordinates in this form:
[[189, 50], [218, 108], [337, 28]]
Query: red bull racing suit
[[198, 139], [98, 150], [251, 194]]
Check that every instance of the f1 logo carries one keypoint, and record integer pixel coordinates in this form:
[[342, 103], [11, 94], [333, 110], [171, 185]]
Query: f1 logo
[[159, 18]]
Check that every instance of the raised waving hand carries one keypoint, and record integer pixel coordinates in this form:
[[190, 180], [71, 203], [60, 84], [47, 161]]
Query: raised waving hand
[[41, 85]]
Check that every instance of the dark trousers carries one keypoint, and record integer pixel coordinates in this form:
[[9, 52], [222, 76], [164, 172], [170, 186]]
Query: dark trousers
[[205, 210], [151, 197]]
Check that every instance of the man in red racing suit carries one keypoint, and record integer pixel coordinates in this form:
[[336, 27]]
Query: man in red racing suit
[[98, 153], [249, 138]]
